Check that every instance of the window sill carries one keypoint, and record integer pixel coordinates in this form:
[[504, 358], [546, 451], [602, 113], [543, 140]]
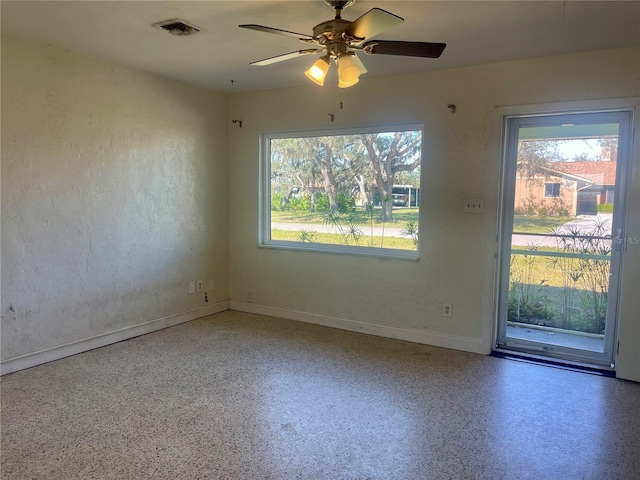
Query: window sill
[[380, 253]]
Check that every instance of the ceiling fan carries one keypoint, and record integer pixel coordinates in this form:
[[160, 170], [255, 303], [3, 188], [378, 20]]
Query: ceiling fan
[[339, 40]]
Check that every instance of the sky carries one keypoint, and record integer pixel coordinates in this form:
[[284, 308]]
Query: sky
[[589, 147]]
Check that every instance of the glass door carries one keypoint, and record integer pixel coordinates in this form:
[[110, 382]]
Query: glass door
[[562, 237]]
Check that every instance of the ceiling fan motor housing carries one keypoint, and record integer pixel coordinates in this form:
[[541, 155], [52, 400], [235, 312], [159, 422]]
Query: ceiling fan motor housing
[[331, 29], [332, 34]]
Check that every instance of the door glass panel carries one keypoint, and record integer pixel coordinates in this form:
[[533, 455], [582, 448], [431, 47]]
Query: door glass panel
[[557, 247]]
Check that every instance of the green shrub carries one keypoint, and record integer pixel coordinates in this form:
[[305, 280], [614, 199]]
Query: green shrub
[[345, 202], [277, 202], [605, 208], [300, 204], [538, 312], [322, 202]]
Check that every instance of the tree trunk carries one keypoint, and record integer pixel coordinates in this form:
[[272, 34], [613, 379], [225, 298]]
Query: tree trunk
[[313, 189], [329, 180], [386, 214], [363, 191], [379, 171], [387, 211]]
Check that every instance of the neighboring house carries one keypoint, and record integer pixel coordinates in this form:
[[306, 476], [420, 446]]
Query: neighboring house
[[602, 178], [554, 193], [568, 188]]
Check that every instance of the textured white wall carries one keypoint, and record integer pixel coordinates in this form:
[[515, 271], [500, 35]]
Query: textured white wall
[[114, 196], [457, 249]]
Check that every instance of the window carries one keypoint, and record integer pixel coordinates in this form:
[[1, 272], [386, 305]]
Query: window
[[551, 189], [354, 191]]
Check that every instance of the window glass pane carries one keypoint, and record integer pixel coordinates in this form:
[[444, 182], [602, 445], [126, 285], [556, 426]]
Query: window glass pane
[[353, 192], [565, 171], [551, 189], [561, 245]]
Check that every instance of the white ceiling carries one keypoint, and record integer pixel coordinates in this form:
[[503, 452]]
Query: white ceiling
[[476, 32]]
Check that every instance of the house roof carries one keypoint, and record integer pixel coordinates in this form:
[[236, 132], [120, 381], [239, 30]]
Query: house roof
[[599, 173]]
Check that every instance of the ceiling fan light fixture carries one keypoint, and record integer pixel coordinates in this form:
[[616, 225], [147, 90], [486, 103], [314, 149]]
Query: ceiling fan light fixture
[[342, 84], [318, 71], [348, 71]]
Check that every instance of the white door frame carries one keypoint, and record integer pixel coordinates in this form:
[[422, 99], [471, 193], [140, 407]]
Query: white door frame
[[503, 114]]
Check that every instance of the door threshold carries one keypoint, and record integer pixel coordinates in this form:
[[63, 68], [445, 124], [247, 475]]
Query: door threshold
[[554, 363]]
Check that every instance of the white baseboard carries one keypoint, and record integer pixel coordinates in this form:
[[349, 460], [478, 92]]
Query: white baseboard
[[21, 362], [56, 353], [466, 344]]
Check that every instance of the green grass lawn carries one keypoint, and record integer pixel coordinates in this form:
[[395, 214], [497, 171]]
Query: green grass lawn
[[336, 239], [552, 298], [400, 216], [537, 224], [521, 223], [535, 269]]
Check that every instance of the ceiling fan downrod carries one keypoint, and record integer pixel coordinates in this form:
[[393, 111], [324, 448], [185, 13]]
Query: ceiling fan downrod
[[339, 5]]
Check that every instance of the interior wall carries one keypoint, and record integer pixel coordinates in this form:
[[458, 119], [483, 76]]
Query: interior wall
[[461, 160], [114, 197]]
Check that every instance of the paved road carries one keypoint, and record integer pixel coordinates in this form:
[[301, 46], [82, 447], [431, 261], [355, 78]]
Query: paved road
[[589, 223], [584, 225]]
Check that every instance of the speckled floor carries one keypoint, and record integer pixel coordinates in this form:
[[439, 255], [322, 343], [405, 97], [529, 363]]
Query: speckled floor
[[240, 396]]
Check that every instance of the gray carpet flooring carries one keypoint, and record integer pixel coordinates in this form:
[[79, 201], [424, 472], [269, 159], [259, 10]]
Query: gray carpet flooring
[[241, 396]]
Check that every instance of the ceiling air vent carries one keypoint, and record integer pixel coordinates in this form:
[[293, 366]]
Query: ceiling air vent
[[178, 27]]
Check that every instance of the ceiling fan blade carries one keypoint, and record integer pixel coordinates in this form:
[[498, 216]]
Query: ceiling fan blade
[[285, 56], [406, 49], [277, 31], [359, 64], [372, 23]]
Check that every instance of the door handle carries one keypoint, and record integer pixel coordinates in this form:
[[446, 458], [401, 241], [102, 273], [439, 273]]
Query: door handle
[[618, 241]]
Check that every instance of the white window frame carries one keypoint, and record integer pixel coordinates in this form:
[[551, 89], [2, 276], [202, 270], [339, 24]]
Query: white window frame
[[264, 216]]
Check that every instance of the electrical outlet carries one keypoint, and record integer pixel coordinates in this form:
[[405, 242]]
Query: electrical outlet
[[206, 297], [474, 205], [199, 287], [447, 309], [192, 287]]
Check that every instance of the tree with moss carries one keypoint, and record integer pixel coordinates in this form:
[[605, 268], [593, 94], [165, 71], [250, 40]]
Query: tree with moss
[[389, 154]]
